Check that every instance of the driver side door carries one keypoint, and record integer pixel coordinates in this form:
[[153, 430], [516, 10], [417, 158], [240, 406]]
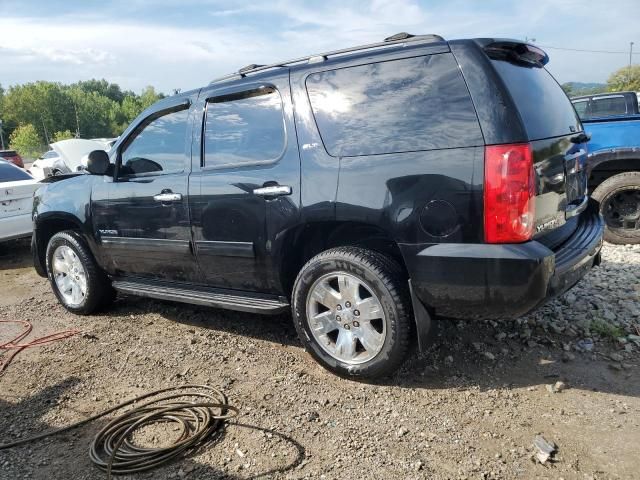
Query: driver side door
[[144, 225]]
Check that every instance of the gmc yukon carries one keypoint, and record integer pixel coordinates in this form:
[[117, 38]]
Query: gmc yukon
[[367, 189]]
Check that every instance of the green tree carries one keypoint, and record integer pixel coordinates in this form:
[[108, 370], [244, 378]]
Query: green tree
[[95, 108], [149, 96], [93, 111], [62, 135], [568, 89], [102, 87], [45, 105], [1, 100], [625, 79], [26, 141]]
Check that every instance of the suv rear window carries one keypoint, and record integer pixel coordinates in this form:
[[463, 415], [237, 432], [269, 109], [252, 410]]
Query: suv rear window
[[544, 107], [412, 104]]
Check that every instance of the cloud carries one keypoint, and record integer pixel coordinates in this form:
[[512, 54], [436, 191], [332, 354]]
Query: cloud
[[185, 45], [82, 56]]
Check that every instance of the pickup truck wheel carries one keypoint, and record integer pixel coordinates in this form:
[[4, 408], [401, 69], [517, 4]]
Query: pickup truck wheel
[[619, 198], [76, 279], [351, 308]]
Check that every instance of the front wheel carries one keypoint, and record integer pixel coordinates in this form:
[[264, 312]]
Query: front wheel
[[77, 281], [619, 198], [352, 311]]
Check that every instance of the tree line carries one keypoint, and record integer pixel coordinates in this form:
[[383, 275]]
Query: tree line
[[36, 114], [625, 79]]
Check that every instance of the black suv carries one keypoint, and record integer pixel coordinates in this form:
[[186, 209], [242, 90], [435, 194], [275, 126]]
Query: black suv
[[368, 189]]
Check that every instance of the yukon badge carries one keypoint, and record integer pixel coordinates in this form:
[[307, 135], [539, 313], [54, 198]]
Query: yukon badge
[[546, 225], [108, 232]]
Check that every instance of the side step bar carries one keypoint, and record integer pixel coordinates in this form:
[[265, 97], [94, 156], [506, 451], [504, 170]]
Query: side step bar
[[212, 298]]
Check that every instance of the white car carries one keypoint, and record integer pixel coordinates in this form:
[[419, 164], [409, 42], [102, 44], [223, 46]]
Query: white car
[[16, 201], [67, 156]]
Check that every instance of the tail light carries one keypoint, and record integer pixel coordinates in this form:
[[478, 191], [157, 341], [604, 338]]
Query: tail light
[[509, 190]]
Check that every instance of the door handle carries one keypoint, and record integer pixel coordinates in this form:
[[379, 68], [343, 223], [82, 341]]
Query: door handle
[[168, 197], [272, 191]]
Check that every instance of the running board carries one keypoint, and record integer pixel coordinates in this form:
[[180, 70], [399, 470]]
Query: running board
[[226, 299]]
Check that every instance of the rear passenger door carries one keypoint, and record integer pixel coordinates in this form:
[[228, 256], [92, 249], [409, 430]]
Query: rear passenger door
[[244, 190]]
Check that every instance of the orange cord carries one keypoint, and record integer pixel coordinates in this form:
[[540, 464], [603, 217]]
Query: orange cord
[[17, 347]]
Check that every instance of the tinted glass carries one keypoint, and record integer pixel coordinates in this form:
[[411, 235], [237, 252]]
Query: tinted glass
[[159, 147], [9, 173], [50, 154], [244, 129], [605, 106], [544, 107], [581, 108], [403, 105]]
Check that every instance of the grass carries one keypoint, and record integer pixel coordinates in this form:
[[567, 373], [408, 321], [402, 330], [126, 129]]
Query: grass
[[606, 330]]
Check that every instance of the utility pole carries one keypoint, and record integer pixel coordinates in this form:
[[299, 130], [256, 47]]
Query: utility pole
[[1, 136], [77, 121], [630, 60], [44, 127]]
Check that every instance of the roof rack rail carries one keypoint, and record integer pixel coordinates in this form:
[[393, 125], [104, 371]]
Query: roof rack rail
[[398, 38], [248, 68], [414, 38]]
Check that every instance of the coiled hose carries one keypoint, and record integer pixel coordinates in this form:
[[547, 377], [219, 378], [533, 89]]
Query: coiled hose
[[112, 450]]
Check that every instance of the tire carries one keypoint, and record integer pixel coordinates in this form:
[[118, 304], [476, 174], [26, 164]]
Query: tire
[[370, 347], [626, 186], [70, 251]]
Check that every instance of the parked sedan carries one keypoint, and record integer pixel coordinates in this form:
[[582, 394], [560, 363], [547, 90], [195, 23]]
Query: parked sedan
[[16, 201], [13, 157]]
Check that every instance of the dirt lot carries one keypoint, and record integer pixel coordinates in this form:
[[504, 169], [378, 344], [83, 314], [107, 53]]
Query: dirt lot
[[469, 408]]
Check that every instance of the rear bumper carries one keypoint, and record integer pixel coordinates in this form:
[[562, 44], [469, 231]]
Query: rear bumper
[[493, 281]]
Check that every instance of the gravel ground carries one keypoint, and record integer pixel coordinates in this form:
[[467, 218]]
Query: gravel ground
[[469, 408]]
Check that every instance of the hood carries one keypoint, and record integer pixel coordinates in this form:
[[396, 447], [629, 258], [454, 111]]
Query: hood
[[71, 151]]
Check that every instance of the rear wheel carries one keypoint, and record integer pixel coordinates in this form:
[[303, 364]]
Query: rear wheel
[[352, 311], [77, 281], [619, 198]]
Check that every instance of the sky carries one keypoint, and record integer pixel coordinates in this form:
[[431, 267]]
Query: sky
[[185, 44]]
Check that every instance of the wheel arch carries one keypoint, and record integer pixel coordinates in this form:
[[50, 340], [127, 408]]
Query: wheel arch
[[604, 164], [302, 243], [305, 241], [46, 226]]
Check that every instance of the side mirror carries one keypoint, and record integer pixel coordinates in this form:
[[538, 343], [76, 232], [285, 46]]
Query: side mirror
[[98, 163]]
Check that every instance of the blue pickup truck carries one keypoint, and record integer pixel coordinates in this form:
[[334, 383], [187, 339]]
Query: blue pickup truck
[[613, 122]]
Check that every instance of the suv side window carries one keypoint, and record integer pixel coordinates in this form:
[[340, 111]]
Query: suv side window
[[411, 104], [244, 129], [158, 146]]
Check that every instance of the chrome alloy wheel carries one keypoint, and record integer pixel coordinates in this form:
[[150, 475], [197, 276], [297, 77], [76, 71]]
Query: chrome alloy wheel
[[69, 275], [346, 318]]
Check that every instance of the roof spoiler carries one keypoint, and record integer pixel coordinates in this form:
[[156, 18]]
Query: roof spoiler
[[517, 52]]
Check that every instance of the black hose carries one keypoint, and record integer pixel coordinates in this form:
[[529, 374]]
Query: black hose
[[112, 450]]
